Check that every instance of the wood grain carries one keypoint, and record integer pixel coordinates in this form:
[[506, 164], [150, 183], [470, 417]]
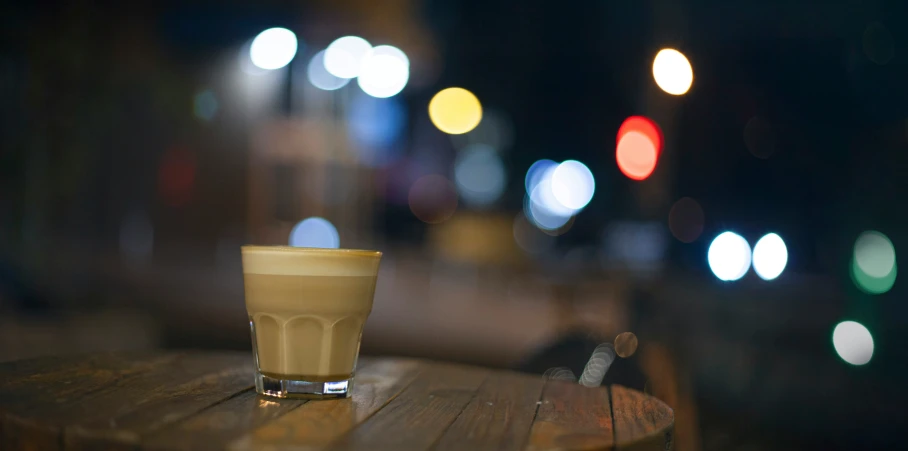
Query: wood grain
[[572, 417], [126, 412], [499, 416], [216, 426], [642, 423], [224, 422], [417, 418], [206, 401], [32, 390], [318, 423], [118, 398]]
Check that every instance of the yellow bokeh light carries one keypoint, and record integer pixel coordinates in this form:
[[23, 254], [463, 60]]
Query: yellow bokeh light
[[455, 111], [672, 72]]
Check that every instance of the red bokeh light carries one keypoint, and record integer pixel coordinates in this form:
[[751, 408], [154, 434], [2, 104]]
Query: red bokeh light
[[636, 155], [644, 125]]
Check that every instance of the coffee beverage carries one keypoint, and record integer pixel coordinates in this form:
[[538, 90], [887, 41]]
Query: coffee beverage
[[307, 308]]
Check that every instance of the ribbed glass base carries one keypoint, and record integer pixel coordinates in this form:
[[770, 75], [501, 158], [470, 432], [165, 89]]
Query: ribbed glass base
[[288, 388]]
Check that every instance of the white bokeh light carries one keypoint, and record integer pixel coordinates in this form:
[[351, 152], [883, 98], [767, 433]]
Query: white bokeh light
[[573, 184], [543, 210], [385, 71], [536, 172], [479, 175], [874, 254], [853, 342], [273, 48], [344, 57], [315, 232], [672, 72], [770, 256], [320, 77], [544, 196], [729, 256]]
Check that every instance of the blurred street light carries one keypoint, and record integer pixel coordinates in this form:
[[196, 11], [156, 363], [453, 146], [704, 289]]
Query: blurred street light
[[320, 77], [636, 155], [729, 256], [479, 175], [873, 266], [853, 342], [455, 111], [384, 72], [273, 48], [573, 184], [344, 57], [672, 72], [315, 232], [770, 256]]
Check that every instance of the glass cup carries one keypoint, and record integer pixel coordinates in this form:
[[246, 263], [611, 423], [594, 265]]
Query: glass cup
[[307, 308]]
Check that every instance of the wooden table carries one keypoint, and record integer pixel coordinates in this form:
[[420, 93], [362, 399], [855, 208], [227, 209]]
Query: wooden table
[[206, 401]]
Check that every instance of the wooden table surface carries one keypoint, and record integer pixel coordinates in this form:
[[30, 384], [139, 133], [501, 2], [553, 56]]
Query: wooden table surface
[[207, 401]]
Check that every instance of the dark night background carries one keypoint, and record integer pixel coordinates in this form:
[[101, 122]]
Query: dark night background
[[795, 124]]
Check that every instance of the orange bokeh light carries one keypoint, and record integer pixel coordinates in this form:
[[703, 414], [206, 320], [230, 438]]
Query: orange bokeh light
[[636, 155], [643, 125]]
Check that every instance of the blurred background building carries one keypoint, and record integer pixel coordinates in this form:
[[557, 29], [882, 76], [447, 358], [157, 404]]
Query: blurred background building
[[719, 180]]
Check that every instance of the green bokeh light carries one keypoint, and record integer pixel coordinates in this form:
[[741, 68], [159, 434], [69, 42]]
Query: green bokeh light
[[870, 284], [873, 263]]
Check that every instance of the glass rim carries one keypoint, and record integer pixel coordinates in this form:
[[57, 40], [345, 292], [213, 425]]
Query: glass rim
[[255, 248]]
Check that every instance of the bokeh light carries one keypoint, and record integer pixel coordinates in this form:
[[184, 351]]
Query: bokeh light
[[686, 219], [573, 184], [480, 175], [873, 265], [559, 374], [543, 209], [315, 232], [385, 71], [376, 126], [672, 72], [729, 256], [344, 57], [636, 155], [600, 362], [205, 105], [770, 256], [542, 217], [536, 172], [626, 344], [874, 254], [542, 206], [432, 199], [320, 77], [455, 110], [273, 48], [873, 285], [853, 342], [643, 125]]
